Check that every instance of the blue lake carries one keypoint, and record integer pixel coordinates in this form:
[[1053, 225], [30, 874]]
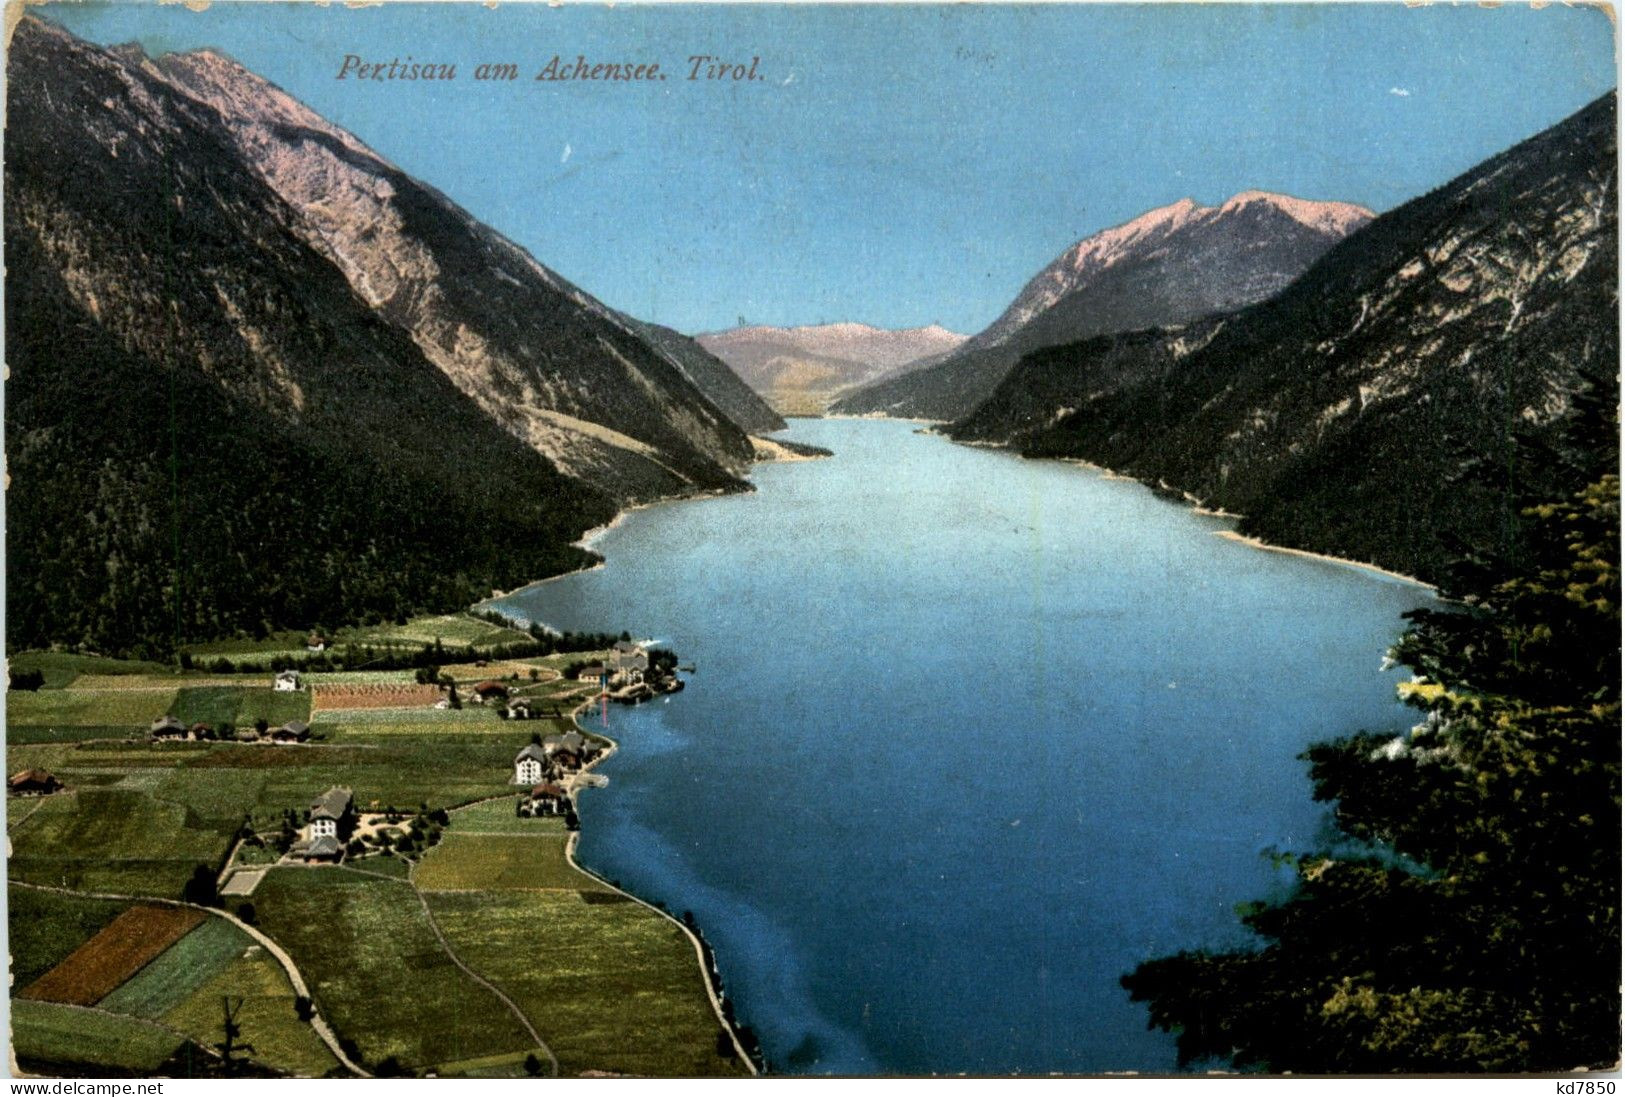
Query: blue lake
[[968, 737]]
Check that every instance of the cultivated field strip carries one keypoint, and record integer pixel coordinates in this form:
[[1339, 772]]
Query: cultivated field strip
[[124, 947]]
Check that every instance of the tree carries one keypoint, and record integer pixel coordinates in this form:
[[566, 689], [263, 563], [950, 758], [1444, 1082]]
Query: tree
[[246, 913], [533, 1065], [200, 889], [29, 680], [303, 1008], [1471, 923]]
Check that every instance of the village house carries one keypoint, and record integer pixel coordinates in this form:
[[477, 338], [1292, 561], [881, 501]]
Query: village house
[[490, 690], [294, 731], [545, 799], [32, 782], [201, 730], [594, 673], [247, 735], [167, 727], [569, 751], [518, 709], [332, 814], [287, 681], [315, 642], [529, 765]]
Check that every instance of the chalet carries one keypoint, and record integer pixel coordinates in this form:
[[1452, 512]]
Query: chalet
[[294, 731], [167, 727], [529, 765], [490, 690], [545, 799], [287, 681], [332, 814], [324, 848], [32, 782]]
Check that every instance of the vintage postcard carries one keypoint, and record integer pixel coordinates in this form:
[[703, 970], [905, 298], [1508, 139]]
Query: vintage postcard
[[901, 540]]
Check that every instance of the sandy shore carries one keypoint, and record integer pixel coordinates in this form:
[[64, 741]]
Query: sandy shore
[[767, 451]]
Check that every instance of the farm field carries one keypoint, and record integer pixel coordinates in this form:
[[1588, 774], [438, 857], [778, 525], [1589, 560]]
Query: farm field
[[181, 969], [123, 947], [378, 973], [375, 695], [134, 709], [121, 841], [48, 1036], [46, 926], [239, 706], [483, 862], [281, 1040], [497, 817], [612, 969], [167, 680], [62, 668], [143, 983], [457, 630]]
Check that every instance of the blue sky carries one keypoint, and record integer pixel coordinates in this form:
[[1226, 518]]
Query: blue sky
[[898, 165]]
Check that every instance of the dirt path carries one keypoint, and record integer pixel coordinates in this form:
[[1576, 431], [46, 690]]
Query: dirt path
[[294, 977], [451, 953]]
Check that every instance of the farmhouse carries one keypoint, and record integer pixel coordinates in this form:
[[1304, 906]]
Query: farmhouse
[[32, 782], [545, 799], [315, 642], [167, 727], [332, 814], [294, 731], [529, 764], [287, 681], [594, 673], [518, 709], [490, 690]]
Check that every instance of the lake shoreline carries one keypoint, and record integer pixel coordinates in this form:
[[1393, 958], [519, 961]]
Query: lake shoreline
[[1197, 506], [740, 584], [710, 977]]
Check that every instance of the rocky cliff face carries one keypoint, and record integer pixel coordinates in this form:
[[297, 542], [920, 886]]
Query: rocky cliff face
[[1171, 265], [1398, 403], [802, 370], [579, 382]]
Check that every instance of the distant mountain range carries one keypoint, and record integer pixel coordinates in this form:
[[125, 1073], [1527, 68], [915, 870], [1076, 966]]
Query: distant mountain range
[[801, 370], [1170, 265], [260, 377], [1449, 363]]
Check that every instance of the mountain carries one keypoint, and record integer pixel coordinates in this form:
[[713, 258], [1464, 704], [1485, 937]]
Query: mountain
[[1399, 403], [1173, 264], [713, 377], [579, 382], [801, 370], [260, 378]]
